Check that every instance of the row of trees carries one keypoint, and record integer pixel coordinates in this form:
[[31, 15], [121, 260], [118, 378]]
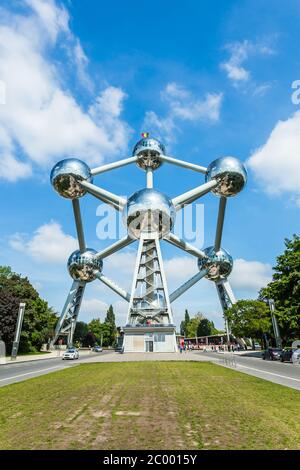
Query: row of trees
[[198, 325], [252, 318], [95, 332], [39, 319]]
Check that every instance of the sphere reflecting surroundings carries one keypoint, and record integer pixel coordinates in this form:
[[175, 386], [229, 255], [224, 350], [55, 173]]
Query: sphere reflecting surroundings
[[219, 264], [149, 210], [148, 150], [65, 177], [230, 173], [82, 266]]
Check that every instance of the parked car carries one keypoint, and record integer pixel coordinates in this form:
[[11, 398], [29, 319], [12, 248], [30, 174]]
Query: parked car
[[273, 354], [296, 356], [70, 353], [286, 355], [97, 349]]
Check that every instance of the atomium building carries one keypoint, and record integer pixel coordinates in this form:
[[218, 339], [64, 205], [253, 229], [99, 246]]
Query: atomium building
[[149, 216]]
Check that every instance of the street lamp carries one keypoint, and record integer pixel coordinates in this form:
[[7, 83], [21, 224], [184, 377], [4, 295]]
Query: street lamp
[[271, 304]]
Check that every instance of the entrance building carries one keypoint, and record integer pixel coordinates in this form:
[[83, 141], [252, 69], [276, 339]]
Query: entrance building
[[149, 339]]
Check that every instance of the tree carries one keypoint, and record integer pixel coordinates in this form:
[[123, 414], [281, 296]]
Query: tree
[[206, 328], [285, 290], [110, 321], [249, 318], [96, 327], [89, 340], [39, 320], [184, 323], [110, 316], [81, 331], [191, 327]]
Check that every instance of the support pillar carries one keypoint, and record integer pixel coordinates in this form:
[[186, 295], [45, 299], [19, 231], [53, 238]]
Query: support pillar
[[150, 324], [67, 322]]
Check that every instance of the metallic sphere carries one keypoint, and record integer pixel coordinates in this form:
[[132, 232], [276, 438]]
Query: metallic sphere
[[83, 266], [65, 177], [230, 173], [219, 264], [148, 150], [149, 210]]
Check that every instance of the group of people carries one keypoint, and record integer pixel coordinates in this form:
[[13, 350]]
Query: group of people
[[183, 346]]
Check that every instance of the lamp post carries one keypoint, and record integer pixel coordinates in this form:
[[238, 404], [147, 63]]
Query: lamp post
[[16, 342]]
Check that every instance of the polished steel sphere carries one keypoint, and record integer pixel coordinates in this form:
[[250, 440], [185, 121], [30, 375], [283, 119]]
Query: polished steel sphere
[[66, 175], [84, 266], [219, 264], [230, 173], [149, 210], [148, 150]]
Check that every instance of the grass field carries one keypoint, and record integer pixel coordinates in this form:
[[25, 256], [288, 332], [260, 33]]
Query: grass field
[[153, 405]]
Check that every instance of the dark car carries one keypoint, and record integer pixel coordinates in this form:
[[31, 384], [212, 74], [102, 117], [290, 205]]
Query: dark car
[[286, 355], [273, 354]]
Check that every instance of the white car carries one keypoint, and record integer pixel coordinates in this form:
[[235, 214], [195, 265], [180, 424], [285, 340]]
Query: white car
[[296, 356], [71, 353]]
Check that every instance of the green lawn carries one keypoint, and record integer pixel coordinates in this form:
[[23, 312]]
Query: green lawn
[[149, 405]]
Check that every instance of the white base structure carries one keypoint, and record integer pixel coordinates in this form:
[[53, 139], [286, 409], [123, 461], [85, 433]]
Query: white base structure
[[149, 216], [149, 339]]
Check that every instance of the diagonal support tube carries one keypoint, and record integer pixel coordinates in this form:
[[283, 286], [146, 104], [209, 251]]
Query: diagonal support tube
[[187, 285], [104, 196], [183, 164], [113, 165], [79, 226], [179, 243], [118, 245], [220, 223], [113, 286], [193, 194]]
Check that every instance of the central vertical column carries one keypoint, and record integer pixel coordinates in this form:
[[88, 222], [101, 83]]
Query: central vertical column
[[149, 321]]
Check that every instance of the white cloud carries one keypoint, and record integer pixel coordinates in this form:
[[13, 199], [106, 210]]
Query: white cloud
[[41, 121], [180, 268], [93, 307], [250, 275], [239, 53], [54, 18], [276, 164], [163, 128], [48, 244], [182, 105]]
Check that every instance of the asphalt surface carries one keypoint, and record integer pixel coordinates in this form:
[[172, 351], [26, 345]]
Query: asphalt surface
[[19, 371], [274, 371], [283, 373]]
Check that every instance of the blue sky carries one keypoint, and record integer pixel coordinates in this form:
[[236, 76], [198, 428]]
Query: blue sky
[[208, 78]]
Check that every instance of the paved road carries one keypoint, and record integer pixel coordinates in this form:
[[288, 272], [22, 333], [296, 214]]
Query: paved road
[[283, 373], [19, 371]]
